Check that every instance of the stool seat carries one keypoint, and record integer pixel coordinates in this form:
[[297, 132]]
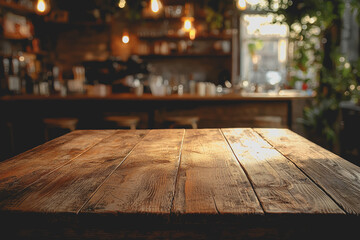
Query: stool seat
[[62, 123], [124, 121], [183, 121], [68, 123], [268, 121]]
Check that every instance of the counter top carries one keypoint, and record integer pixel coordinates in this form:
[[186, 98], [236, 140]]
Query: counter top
[[178, 183], [147, 97]]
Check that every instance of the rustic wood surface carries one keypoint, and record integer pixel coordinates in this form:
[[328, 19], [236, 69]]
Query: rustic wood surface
[[179, 184]]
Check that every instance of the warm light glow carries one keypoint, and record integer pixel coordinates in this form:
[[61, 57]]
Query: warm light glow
[[192, 34], [255, 59], [282, 50], [187, 25], [21, 58], [263, 25], [122, 3], [253, 2], [155, 5], [125, 38], [241, 4], [41, 6]]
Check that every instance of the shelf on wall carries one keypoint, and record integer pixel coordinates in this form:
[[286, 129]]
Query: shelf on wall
[[200, 37], [16, 7], [188, 55]]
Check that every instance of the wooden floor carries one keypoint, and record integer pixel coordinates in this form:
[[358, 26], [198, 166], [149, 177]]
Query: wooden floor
[[179, 184]]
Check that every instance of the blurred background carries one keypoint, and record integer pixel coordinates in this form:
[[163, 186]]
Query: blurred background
[[91, 64]]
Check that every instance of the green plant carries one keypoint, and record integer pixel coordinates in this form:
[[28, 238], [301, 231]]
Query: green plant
[[315, 29]]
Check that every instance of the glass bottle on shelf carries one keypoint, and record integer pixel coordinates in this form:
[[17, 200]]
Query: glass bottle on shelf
[[14, 81]]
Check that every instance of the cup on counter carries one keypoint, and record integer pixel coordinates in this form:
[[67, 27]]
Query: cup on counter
[[139, 90], [157, 86], [210, 89], [192, 87], [180, 90], [201, 88]]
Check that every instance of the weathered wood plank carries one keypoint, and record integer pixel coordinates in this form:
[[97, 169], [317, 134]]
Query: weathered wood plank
[[69, 187], [338, 177], [280, 186], [210, 180], [145, 182], [23, 170]]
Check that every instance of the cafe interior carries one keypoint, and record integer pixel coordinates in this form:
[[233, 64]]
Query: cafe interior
[[179, 119], [160, 64]]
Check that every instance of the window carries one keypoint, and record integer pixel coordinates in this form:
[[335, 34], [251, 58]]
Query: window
[[264, 51]]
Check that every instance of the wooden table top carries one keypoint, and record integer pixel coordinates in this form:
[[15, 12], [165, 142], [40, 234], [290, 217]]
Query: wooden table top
[[177, 173]]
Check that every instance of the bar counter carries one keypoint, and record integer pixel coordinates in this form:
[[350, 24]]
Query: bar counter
[[26, 112], [173, 97]]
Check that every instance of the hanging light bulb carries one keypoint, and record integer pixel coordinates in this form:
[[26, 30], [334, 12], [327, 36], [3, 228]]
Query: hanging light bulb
[[42, 7], [187, 24], [155, 5], [125, 38], [188, 18], [241, 4], [122, 3]]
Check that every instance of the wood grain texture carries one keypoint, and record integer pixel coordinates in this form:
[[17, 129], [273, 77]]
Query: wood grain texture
[[338, 177], [145, 182], [280, 186], [210, 180], [69, 187], [21, 171]]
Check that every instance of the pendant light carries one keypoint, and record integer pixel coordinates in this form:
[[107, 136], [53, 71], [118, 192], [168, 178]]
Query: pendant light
[[42, 7], [122, 3], [241, 4], [188, 19], [155, 6], [125, 37]]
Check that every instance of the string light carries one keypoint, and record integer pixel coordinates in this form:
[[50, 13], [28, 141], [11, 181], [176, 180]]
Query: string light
[[122, 3]]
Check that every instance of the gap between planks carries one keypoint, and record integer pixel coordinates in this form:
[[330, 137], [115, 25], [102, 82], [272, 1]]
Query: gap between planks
[[177, 172], [244, 169], [307, 175]]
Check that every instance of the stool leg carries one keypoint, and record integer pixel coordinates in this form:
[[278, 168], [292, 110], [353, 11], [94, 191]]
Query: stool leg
[[11, 133], [46, 133]]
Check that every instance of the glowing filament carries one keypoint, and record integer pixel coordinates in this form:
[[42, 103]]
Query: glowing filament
[[187, 25], [155, 5], [122, 3], [41, 6], [192, 34], [125, 38], [241, 4]]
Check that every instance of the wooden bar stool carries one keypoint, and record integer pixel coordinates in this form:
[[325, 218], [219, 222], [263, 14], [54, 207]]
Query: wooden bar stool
[[267, 122], [182, 121], [60, 123], [124, 121]]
